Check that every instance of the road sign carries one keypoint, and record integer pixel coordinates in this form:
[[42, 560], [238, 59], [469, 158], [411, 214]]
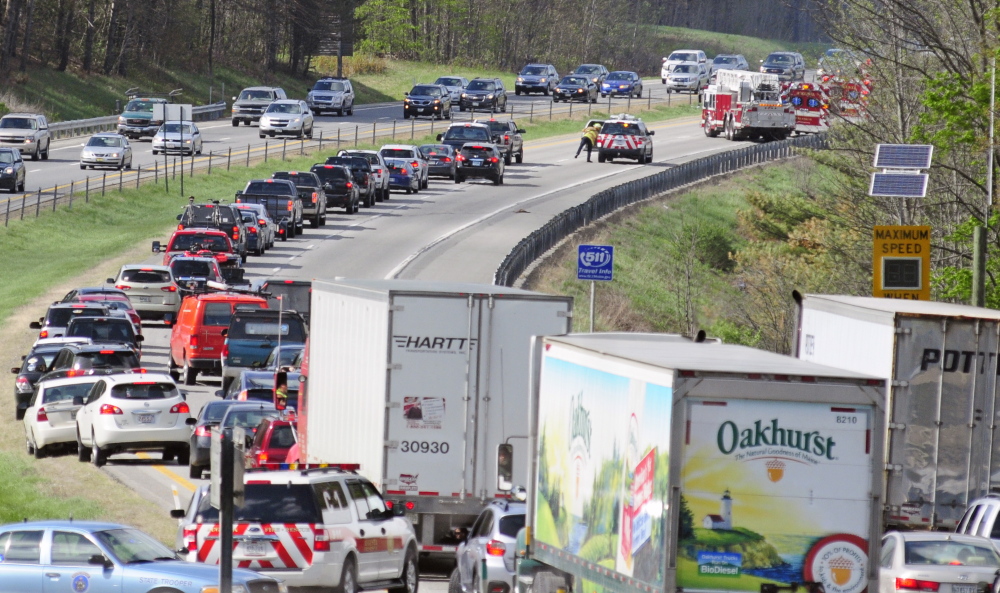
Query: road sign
[[172, 112], [901, 262], [595, 262]]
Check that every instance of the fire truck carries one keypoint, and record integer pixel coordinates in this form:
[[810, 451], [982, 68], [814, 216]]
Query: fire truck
[[848, 97], [746, 106], [811, 105]]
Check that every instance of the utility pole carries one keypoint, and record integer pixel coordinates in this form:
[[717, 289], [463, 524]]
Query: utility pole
[[979, 232]]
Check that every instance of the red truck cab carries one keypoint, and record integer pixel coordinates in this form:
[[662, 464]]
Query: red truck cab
[[196, 341]]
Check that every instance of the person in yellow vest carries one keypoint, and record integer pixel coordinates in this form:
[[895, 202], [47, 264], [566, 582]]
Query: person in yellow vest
[[589, 140]]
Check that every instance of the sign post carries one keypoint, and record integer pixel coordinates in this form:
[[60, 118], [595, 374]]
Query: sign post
[[902, 262], [226, 491], [595, 263]]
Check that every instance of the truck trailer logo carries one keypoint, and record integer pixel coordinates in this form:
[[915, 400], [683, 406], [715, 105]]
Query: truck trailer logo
[[434, 344], [731, 438], [839, 562]]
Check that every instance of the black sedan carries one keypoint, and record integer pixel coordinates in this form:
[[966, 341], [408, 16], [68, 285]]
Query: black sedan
[[33, 366], [12, 171], [201, 438], [575, 88], [440, 159]]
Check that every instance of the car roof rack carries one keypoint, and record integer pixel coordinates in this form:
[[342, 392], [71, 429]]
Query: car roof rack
[[134, 92]]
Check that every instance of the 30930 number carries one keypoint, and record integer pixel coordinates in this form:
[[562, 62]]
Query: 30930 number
[[424, 447]]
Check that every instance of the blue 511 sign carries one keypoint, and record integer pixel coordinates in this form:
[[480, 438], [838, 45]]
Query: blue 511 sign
[[595, 262]]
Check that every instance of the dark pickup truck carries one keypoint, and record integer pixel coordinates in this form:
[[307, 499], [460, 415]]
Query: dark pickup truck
[[281, 199], [217, 215], [311, 191]]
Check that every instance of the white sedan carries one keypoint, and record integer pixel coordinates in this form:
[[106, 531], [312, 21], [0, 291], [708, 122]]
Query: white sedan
[[134, 412], [176, 136], [935, 561], [50, 420], [287, 116], [106, 150]]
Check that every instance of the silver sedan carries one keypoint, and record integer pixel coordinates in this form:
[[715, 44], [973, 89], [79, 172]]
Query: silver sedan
[[106, 150], [934, 561], [176, 136]]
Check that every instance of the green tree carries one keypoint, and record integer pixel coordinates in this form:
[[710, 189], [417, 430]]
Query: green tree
[[686, 530], [387, 29]]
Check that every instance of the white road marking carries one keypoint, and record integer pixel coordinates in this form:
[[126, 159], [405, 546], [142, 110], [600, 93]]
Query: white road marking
[[33, 170], [309, 246], [291, 259], [276, 270]]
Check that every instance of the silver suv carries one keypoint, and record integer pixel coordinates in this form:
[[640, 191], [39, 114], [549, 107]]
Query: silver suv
[[331, 94], [29, 132], [491, 541], [252, 103]]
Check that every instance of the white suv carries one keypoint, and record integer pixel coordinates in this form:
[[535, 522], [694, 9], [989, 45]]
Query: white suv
[[134, 412], [317, 527], [982, 518], [287, 116]]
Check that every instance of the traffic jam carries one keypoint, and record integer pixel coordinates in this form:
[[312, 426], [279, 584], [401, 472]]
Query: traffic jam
[[413, 472]]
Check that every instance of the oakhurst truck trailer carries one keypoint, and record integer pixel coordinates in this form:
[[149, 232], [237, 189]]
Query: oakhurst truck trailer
[[420, 383], [663, 464], [939, 362]]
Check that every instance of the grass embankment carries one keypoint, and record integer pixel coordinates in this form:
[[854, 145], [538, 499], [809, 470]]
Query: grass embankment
[[37, 268], [752, 48], [678, 261]]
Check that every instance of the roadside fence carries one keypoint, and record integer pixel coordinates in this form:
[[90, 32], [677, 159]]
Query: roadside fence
[[603, 203]]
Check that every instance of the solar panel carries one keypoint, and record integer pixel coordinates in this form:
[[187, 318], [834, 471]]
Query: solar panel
[[898, 185], [903, 156]]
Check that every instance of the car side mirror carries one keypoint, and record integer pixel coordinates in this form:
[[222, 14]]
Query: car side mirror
[[35, 325], [762, 61], [652, 132], [220, 393], [440, 136], [16, 370], [177, 514], [139, 338], [521, 131], [224, 332], [406, 94], [179, 216], [100, 560], [109, 281], [234, 98], [78, 400]]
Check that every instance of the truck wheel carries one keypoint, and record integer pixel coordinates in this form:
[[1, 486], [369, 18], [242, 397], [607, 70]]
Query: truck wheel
[[600, 158], [195, 472], [190, 375], [348, 578], [314, 223], [506, 159], [236, 123], [520, 156], [410, 575], [175, 374], [455, 580]]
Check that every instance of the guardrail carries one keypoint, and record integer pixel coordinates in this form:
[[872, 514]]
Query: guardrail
[[84, 127], [601, 204]]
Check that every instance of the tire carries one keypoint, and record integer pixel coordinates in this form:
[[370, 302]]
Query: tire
[[183, 454], [262, 135], [498, 180], [594, 100], [455, 581], [36, 156], [82, 452], [155, 152], [462, 107], [97, 456], [406, 115], [409, 190], [82, 168], [546, 91], [506, 159], [189, 374], [502, 110], [21, 187], [195, 472], [45, 155], [348, 578], [314, 223], [38, 452], [351, 110], [310, 134], [459, 178], [410, 575], [520, 156], [28, 446], [600, 158], [517, 92], [19, 413], [340, 112]]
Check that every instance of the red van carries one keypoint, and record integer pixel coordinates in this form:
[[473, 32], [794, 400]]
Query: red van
[[196, 342]]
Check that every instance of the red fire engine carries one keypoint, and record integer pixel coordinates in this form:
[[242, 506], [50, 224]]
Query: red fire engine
[[848, 97], [811, 105], [746, 106]]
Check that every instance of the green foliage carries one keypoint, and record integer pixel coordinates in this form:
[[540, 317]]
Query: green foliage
[[386, 28], [686, 530], [954, 282], [20, 496]]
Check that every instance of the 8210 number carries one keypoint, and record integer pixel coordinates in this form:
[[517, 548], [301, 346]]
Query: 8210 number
[[424, 447]]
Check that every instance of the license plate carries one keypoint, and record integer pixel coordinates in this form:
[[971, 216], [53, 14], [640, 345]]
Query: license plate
[[413, 517], [619, 143], [476, 103], [254, 548], [145, 418], [145, 299], [963, 589], [476, 162]]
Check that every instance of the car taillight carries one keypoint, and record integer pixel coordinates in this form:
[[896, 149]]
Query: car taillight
[[415, 164], [122, 286], [349, 185], [203, 431], [43, 334], [171, 288], [506, 138], [261, 222], [22, 383], [242, 396], [236, 233], [191, 537], [194, 341], [262, 457], [290, 206], [460, 158], [108, 409], [495, 548], [181, 408], [916, 585], [253, 230], [180, 227], [42, 416], [494, 159], [321, 540], [225, 350], [446, 159], [409, 505], [314, 197]]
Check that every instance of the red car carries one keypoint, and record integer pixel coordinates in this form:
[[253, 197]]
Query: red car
[[271, 442], [199, 242]]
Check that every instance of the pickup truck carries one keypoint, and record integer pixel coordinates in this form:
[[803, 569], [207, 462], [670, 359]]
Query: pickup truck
[[216, 215], [281, 199], [311, 191]]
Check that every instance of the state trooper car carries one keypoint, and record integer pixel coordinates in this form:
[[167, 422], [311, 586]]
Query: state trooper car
[[625, 136]]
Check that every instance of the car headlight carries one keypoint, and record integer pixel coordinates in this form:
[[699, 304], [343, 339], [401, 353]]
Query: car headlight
[[489, 96], [544, 80], [464, 95], [579, 90], [519, 79], [595, 79], [406, 100], [187, 142], [121, 119], [9, 170], [29, 140], [114, 155], [437, 100], [296, 120]]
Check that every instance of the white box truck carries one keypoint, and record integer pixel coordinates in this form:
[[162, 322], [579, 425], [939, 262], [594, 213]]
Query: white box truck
[[419, 383], [661, 464], [940, 364]]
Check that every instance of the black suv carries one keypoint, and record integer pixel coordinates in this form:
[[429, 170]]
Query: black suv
[[339, 186], [480, 160], [364, 177], [225, 217], [507, 137], [82, 357], [484, 93], [105, 330], [433, 100], [310, 191], [12, 171]]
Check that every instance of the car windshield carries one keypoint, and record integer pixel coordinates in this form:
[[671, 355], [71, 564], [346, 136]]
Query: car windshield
[[620, 128], [294, 297], [448, 81], [682, 57], [291, 108], [724, 60], [6, 156], [247, 417], [328, 173], [274, 503], [131, 546], [397, 153], [779, 59], [285, 358], [37, 362], [51, 395], [511, 524], [467, 133], [186, 129], [101, 329], [59, 317], [216, 243], [105, 141], [619, 76], [106, 359], [398, 166], [187, 268], [18, 123], [144, 390], [533, 71], [949, 553], [481, 85], [139, 106], [263, 187], [256, 96], [214, 411], [439, 150], [328, 85], [588, 69], [574, 81], [426, 90], [685, 69]]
